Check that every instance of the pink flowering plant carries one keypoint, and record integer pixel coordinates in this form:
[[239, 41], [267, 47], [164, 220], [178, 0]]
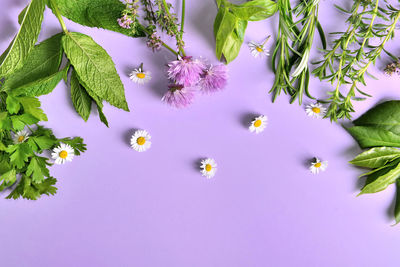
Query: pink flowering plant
[[187, 75]]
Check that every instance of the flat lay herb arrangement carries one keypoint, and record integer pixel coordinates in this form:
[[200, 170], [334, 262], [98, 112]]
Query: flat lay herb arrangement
[[29, 69]]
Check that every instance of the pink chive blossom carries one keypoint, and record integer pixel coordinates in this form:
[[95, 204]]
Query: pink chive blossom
[[213, 79], [125, 22], [185, 71], [179, 96]]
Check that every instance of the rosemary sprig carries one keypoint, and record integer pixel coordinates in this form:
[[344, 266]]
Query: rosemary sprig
[[351, 55], [293, 47]]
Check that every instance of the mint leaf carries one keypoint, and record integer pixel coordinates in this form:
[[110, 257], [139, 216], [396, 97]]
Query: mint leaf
[[95, 68], [43, 61], [397, 206], [100, 14], [376, 157], [42, 86], [25, 39], [80, 98], [374, 137], [382, 182]]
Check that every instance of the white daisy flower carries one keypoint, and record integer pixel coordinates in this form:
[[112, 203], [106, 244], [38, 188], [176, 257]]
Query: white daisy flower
[[20, 136], [318, 166], [208, 168], [258, 124], [140, 140], [259, 50], [316, 110], [139, 76], [62, 153]]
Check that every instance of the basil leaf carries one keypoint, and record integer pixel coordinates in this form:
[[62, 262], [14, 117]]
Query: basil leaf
[[99, 14], [384, 116], [229, 34], [80, 98], [373, 137], [382, 182], [24, 41], [255, 10], [43, 61], [376, 157], [95, 68]]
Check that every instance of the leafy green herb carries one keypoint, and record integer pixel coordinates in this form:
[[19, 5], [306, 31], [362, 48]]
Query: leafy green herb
[[378, 130], [231, 22], [293, 46], [24, 41], [95, 68], [352, 54]]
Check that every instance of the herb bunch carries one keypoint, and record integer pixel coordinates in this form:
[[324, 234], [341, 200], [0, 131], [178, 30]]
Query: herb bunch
[[29, 70], [293, 46], [347, 62], [379, 131]]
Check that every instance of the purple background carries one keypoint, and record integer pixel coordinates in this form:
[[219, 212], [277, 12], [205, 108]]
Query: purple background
[[118, 207]]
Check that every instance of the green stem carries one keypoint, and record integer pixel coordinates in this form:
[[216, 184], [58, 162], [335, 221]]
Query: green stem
[[58, 15], [183, 16]]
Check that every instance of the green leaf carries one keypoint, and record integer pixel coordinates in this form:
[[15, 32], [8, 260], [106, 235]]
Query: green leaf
[[80, 98], [100, 14], [31, 190], [374, 137], [25, 39], [76, 143], [255, 10], [31, 106], [5, 121], [43, 61], [42, 86], [397, 206], [13, 104], [384, 116], [44, 142], [376, 157], [9, 178], [95, 68], [382, 182], [19, 154], [229, 34], [37, 169]]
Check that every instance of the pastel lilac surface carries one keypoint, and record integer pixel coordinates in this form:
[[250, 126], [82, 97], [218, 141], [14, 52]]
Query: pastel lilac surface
[[118, 207]]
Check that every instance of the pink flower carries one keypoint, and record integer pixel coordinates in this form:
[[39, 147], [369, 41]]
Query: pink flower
[[185, 71], [179, 96], [213, 79], [125, 22]]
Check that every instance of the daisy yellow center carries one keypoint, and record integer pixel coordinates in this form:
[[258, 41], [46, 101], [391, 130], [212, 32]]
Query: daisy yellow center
[[21, 138], [257, 123], [141, 75], [141, 140], [317, 165], [316, 110], [259, 49], [63, 154], [208, 167]]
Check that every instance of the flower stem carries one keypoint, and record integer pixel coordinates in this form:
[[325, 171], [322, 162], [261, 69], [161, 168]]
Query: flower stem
[[58, 15], [162, 43], [183, 16]]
